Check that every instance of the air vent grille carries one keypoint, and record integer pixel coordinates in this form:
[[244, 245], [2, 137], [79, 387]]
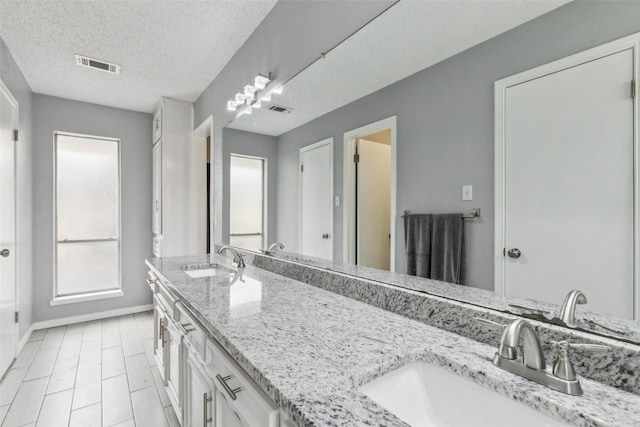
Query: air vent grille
[[107, 67], [279, 109]]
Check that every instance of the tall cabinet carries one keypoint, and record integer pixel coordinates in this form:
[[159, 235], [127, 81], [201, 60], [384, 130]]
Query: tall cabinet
[[172, 161]]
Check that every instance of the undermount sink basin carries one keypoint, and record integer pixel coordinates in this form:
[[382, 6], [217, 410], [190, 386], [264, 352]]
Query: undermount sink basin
[[426, 395], [207, 270]]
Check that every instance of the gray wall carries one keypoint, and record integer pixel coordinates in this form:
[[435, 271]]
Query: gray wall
[[446, 124], [134, 130], [15, 81], [291, 37], [256, 145]]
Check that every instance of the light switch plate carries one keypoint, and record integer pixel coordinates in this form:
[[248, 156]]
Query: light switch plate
[[467, 192]]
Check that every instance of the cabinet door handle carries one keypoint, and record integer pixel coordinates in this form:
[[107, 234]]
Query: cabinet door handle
[[205, 416], [162, 329], [231, 392]]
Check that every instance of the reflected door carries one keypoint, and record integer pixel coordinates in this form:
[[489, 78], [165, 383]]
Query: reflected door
[[373, 178], [569, 185], [316, 194], [8, 333]]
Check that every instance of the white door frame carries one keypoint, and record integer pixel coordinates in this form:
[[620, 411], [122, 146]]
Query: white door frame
[[6, 92], [199, 136], [328, 141], [349, 191], [500, 88]]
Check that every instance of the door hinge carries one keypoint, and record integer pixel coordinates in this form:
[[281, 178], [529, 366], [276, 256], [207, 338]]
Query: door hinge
[[504, 251], [356, 158], [633, 89], [15, 135], [17, 317], [301, 168]]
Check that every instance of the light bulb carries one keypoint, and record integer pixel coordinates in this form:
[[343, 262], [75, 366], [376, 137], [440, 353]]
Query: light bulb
[[240, 98], [249, 91], [277, 91], [231, 105], [261, 81]]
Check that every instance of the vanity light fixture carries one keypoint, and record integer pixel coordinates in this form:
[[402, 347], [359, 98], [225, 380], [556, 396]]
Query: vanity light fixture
[[253, 95]]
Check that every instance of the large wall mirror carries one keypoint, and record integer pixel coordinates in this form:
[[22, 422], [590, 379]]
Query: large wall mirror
[[499, 133]]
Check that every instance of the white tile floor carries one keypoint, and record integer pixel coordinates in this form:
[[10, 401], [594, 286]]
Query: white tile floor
[[97, 374]]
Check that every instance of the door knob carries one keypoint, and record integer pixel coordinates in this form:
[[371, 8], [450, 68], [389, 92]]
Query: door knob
[[325, 236], [514, 253], [4, 252]]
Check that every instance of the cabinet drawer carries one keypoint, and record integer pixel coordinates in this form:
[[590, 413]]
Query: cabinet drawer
[[193, 331], [157, 125], [243, 395], [166, 299]]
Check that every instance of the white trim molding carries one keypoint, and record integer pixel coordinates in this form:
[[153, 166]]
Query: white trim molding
[[90, 296], [500, 88], [45, 324], [349, 193]]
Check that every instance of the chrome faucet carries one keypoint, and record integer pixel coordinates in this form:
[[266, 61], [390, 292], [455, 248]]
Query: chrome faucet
[[237, 256], [271, 249], [568, 310], [533, 367]]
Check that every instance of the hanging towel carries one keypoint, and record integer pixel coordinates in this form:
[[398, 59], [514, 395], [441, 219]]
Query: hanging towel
[[434, 246]]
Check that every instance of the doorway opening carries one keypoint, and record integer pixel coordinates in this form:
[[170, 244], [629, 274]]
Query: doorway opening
[[369, 237]]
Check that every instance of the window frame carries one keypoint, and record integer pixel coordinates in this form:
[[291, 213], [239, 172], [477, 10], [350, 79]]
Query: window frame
[[88, 295], [265, 197]]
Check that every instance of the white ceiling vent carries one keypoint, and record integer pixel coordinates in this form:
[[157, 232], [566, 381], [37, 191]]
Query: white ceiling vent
[[107, 67], [279, 109]]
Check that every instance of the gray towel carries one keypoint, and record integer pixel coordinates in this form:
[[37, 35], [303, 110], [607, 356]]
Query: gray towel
[[434, 246]]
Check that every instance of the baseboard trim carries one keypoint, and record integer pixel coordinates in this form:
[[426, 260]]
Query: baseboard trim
[[24, 339], [85, 318]]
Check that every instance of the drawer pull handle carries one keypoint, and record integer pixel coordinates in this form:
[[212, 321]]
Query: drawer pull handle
[[231, 392], [205, 400], [162, 329], [186, 329]]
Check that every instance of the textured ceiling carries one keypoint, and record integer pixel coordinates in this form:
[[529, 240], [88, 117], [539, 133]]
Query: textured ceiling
[[407, 38], [165, 48]]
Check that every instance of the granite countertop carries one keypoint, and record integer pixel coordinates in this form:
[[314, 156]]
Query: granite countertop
[[310, 349]]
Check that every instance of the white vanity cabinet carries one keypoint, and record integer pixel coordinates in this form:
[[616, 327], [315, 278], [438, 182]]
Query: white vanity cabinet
[[206, 387]]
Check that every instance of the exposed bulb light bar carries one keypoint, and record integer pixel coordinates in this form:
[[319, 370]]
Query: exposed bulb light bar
[[253, 95]]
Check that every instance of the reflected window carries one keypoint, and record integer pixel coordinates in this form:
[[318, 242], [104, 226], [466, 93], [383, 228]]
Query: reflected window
[[87, 221], [247, 201]]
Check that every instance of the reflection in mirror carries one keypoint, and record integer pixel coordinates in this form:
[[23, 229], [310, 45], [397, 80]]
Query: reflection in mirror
[[550, 223]]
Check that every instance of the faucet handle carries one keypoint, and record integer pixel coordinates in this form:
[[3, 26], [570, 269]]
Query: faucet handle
[[562, 368], [565, 345], [489, 322]]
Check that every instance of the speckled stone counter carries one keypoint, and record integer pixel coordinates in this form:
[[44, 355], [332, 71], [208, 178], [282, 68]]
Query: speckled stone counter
[[310, 349]]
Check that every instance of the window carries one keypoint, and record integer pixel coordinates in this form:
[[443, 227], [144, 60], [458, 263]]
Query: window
[[246, 207], [87, 215]]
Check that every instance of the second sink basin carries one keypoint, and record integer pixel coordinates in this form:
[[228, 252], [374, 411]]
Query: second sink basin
[[425, 395], [207, 270]]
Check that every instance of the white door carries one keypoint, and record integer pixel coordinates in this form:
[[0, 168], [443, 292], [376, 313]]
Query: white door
[[316, 194], [373, 178], [8, 332], [569, 185]]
